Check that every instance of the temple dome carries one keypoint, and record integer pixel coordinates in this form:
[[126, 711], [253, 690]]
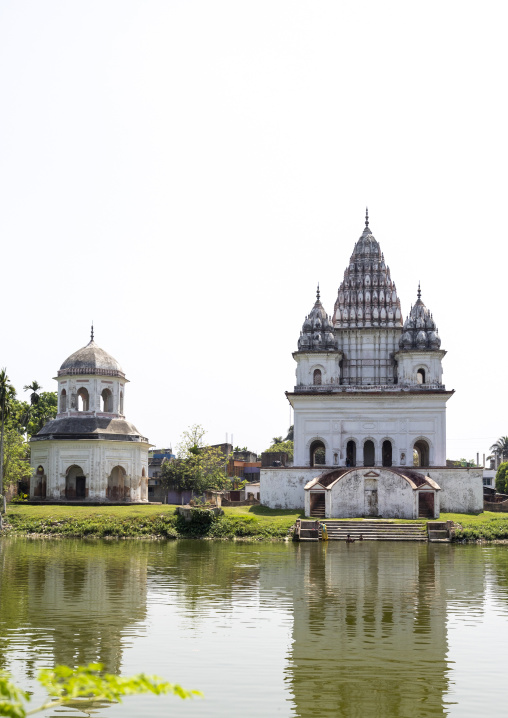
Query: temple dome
[[91, 359], [317, 334], [420, 331]]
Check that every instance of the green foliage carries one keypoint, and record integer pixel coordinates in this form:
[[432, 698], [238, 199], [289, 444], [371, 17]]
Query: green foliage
[[283, 447], [502, 478], [198, 467], [16, 463], [256, 522], [82, 685], [30, 418], [500, 448]]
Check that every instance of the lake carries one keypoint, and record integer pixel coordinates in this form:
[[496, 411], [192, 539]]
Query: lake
[[266, 629]]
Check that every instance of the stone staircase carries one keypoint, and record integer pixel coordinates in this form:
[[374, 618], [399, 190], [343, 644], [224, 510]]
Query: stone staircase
[[369, 529], [439, 531]]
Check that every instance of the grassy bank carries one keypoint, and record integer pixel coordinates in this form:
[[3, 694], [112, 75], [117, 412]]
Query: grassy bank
[[256, 522]]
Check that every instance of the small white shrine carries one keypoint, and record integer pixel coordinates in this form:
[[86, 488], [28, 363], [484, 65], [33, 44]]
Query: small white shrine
[[90, 452]]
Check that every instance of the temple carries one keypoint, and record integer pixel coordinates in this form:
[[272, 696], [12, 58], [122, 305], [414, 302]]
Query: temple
[[369, 392]]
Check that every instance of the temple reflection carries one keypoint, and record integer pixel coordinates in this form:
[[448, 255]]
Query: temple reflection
[[75, 605], [369, 634]]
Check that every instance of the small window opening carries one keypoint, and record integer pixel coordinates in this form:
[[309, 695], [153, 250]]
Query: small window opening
[[387, 453], [317, 376], [63, 400], [107, 401], [421, 453], [420, 376], [121, 402], [83, 400]]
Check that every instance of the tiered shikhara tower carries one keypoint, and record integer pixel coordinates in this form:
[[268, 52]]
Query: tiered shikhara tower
[[369, 388]]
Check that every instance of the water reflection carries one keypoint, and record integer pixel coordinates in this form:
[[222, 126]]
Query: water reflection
[[73, 605], [372, 630]]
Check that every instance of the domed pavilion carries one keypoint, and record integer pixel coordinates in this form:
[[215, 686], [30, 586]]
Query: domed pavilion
[[90, 452]]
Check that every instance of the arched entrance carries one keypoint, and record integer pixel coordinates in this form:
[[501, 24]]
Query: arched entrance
[[117, 490], [317, 454], [421, 453], [387, 453], [368, 453], [40, 483], [75, 483], [351, 453]]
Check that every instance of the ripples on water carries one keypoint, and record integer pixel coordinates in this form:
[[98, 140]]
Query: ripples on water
[[371, 629]]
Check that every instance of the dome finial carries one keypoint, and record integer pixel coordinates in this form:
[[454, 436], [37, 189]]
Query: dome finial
[[419, 290], [318, 293], [91, 333], [366, 216]]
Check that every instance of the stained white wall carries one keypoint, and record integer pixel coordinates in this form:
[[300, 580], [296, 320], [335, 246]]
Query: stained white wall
[[96, 459], [284, 488], [410, 361], [400, 417], [461, 489]]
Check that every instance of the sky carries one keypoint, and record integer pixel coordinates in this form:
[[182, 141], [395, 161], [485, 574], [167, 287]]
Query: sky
[[184, 173]]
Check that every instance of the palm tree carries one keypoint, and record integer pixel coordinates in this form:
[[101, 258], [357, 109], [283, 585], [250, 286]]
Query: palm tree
[[277, 440], [34, 387], [7, 394], [500, 448]]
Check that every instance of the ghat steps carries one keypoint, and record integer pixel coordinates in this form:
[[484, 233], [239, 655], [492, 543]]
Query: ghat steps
[[370, 530]]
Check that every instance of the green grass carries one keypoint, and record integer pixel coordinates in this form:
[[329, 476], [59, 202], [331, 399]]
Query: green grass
[[255, 522]]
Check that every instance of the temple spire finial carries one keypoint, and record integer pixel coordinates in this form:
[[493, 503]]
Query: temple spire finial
[[366, 216], [419, 290], [91, 333], [318, 293]]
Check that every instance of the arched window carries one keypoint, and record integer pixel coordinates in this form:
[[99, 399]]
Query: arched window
[[317, 376], [117, 489], [317, 454], [107, 401], [83, 399], [421, 453], [121, 402], [63, 400], [351, 453], [387, 453], [420, 376], [368, 453]]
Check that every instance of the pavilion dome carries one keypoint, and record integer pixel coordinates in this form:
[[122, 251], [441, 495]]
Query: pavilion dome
[[91, 359]]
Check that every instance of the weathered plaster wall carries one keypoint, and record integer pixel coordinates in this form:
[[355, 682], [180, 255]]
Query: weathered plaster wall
[[461, 489], [97, 460], [351, 496], [284, 488]]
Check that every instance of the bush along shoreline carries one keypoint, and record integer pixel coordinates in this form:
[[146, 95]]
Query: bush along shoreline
[[203, 524], [163, 522]]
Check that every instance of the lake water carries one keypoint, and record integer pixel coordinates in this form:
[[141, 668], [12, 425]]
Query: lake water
[[282, 629]]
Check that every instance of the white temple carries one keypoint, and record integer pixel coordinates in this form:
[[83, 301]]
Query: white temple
[[89, 452], [369, 393]]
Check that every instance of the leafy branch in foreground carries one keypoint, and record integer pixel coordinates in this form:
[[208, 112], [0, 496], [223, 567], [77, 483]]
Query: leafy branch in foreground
[[82, 685]]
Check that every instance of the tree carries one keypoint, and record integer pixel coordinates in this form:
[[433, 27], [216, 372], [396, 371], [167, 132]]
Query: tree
[[7, 394], [282, 447], [502, 478], [277, 439], [291, 433], [80, 688], [198, 467], [500, 448], [34, 387], [16, 465]]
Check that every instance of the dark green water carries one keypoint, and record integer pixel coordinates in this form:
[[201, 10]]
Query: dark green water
[[370, 630]]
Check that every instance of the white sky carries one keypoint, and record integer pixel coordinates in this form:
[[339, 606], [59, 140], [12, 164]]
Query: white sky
[[184, 173]]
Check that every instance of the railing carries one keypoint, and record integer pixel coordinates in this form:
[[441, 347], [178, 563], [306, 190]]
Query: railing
[[338, 388]]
